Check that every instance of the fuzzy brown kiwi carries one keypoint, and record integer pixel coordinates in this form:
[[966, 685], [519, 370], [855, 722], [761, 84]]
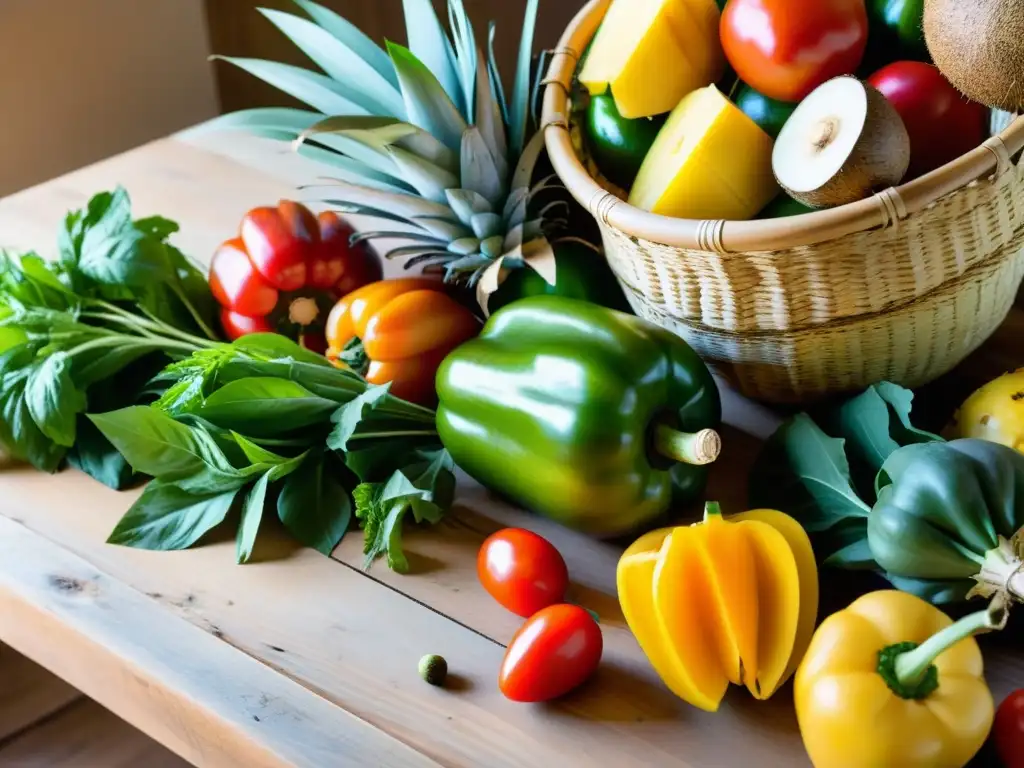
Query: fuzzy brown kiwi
[[979, 46]]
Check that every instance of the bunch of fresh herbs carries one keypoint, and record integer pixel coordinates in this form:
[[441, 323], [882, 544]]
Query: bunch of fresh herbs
[[121, 328]]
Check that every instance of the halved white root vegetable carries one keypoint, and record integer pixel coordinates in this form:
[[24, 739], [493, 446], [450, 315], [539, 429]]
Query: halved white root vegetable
[[843, 143]]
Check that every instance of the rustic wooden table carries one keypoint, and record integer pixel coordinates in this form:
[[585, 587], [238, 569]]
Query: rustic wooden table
[[302, 660]]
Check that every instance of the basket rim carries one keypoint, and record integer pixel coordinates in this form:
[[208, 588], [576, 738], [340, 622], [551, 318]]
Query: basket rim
[[882, 210]]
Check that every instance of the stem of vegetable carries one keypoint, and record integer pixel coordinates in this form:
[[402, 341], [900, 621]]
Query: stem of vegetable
[[192, 311], [406, 433], [696, 448], [909, 669], [115, 314], [1002, 570]]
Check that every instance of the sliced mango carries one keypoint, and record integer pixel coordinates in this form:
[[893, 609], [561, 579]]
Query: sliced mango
[[710, 161], [724, 600], [651, 53]]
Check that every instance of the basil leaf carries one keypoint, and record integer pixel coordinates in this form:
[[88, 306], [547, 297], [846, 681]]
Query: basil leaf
[[53, 399], [103, 363], [265, 407], [314, 506], [94, 455], [157, 227], [19, 433], [257, 454], [324, 381], [252, 515], [157, 445], [166, 517], [804, 471], [349, 416], [273, 346]]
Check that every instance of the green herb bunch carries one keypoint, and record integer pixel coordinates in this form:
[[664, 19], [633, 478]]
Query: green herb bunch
[[121, 328]]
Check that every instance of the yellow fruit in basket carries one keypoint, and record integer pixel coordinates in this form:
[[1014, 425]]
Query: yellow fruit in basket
[[995, 412], [651, 53], [710, 161]]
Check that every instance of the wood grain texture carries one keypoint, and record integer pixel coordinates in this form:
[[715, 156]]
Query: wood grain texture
[[196, 695], [28, 693], [85, 735], [352, 638]]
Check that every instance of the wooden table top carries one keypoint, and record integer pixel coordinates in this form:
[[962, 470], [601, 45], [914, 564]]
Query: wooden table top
[[302, 660]]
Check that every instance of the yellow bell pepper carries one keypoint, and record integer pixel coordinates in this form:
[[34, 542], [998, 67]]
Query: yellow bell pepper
[[892, 680], [722, 601], [995, 412]]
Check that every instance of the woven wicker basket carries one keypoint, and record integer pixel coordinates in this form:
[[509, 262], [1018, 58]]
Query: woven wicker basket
[[898, 287]]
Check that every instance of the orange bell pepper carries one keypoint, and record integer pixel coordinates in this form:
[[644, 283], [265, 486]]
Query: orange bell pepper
[[399, 331]]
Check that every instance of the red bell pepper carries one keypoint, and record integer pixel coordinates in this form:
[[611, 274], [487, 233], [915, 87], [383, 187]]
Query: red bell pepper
[[285, 271]]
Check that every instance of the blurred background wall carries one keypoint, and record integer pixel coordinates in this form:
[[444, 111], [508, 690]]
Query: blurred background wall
[[81, 80]]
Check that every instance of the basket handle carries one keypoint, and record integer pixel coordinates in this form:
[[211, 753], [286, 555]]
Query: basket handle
[[998, 147]]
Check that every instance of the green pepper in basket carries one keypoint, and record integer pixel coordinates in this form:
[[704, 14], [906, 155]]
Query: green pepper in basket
[[619, 144], [948, 517], [585, 415]]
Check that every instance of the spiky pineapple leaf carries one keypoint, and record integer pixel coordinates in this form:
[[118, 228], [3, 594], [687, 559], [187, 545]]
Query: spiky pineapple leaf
[[356, 150], [381, 132], [494, 74], [352, 171], [487, 225], [352, 37], [361, 82], [416, 237], [318, 91], [428, 179], [519, 109], [430, 45], [465, 54], [443, 229], [466, 204], [479, 171], [427, 104], [528, 161], [285, 119], [406, 206], [515, 206], [488, 120]]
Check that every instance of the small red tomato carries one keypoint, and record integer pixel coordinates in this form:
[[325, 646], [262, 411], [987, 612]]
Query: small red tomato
[[1008, 730], [785, 49], [522, 571], [943, 124], [556, 650]]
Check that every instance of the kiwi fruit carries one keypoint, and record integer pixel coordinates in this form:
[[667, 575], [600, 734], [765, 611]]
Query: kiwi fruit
[[979, 46]]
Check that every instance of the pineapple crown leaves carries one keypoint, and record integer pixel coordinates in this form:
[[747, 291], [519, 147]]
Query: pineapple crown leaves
[[421, 136]]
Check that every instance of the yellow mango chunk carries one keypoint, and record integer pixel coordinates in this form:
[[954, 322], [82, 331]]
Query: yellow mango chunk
[[807, 569], [710, 161], [651, 53]]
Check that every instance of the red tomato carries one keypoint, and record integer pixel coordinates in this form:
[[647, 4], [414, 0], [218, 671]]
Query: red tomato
[[553, 652], [943, 124], [784, 49], [1008, 730], [522, 571]]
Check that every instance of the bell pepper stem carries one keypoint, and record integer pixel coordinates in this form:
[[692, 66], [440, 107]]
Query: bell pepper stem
[[1002, 570], [697, 448], [910, 670]]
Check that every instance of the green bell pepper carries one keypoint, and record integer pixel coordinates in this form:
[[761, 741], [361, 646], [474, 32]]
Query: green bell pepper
[[580, 273], [579, 413], [947, 522], [895, 33], [768, 113], [619, 144]]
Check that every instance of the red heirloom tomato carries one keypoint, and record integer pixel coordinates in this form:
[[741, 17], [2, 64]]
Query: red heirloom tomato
[[556, 650], [1008, 730], [785, 49], [943, 124], [522, 571], [285, 271]]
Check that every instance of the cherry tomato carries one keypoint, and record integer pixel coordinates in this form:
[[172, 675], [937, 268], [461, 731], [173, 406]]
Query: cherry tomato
[[942, 123], [785, 49], [556, 650], [522, 571], [1008, 730]]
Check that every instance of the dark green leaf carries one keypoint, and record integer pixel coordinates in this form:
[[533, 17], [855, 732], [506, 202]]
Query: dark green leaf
[[347, 418], [805, 472], [252, 515], [314, 506], [157, 445], [157, 227], [257, 454], [167, 518], [95, 366], [900, 401], [265, 407], [98, 458], [53, 399], [329, 382], [272, 346], [846, 546]]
